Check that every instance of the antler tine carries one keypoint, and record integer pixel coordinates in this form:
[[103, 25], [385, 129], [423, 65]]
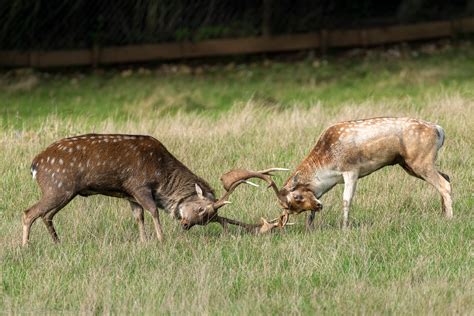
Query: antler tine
[[270, 170], [223, 200]]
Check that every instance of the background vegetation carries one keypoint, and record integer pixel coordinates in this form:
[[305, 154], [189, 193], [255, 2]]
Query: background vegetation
[[400, 255], [73, 24]]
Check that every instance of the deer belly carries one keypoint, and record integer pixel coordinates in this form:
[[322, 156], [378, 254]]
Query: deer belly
[[112, 193], [370, 166]]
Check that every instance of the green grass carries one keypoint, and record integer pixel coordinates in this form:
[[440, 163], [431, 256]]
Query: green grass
[[400, 255], [377, 76]]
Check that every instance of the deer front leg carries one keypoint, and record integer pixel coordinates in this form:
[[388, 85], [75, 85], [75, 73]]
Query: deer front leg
[[310, 220], [137, 212], [145, 199], [350, 180]]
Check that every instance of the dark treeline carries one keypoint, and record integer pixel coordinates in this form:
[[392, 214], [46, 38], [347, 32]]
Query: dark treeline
[[66, 24]]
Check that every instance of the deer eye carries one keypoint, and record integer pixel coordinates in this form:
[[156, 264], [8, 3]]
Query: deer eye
[[298, 197]]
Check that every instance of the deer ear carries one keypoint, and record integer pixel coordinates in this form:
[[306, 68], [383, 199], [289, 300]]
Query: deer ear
[[295, 180], [198, 191]]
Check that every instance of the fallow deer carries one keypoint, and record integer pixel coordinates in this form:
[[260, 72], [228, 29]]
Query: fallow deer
[[351, 150], [137, 168]]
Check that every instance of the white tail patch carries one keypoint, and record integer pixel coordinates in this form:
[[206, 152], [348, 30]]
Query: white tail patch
[[33, 173], [441, 135]]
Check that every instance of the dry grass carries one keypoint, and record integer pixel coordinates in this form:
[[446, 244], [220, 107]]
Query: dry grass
[[400, 255]]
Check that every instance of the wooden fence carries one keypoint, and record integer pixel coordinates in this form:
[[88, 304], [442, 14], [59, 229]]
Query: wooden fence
[[171, 51]]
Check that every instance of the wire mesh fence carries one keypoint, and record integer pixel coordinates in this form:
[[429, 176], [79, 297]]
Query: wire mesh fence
[[76, 24]]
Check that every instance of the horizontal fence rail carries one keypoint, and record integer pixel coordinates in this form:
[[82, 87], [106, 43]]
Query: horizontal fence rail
[[171, 51]]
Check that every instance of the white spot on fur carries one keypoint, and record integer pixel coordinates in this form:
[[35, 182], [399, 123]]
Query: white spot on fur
[[60, 184], [61, 161]]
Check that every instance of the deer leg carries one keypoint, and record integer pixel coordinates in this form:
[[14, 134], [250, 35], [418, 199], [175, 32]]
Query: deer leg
[[137, 212], [48, 221], [310, 220], [443, 186], [145, 199], [437, 179], [42, 208], [350, 180]]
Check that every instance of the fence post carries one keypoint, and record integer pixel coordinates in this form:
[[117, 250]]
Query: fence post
[[323, 40], [33, 59], [95, 55]]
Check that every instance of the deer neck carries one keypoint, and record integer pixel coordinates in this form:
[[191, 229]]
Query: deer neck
[[179, 187], [318, 173]]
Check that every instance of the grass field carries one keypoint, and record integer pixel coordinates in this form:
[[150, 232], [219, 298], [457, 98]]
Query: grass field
[[400, 256]]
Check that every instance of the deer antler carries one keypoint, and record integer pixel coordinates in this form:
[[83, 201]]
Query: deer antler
[[242, 175], [258, 229], [234, 178]]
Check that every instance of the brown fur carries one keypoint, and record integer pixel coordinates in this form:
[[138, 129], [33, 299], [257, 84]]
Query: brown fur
[[350, 150], [135, 167]]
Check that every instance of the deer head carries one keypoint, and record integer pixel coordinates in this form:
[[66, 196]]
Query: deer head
[[298, 197], [200, 209]]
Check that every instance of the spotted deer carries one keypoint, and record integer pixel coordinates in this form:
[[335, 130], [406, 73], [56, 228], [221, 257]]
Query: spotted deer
[[134, 167], [351, 150]]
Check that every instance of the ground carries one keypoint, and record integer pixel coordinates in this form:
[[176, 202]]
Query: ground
[[399, 256]]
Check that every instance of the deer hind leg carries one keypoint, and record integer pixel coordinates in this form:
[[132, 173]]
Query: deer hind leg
[[350, 180], [437, 179], [137, 212], [145, 199], [443, 186], [47, 207]]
